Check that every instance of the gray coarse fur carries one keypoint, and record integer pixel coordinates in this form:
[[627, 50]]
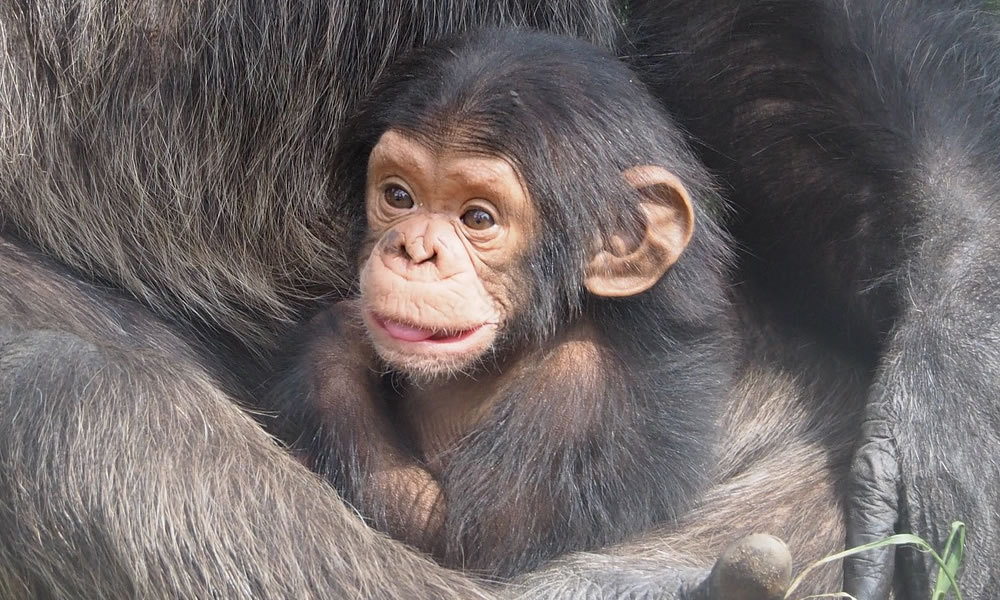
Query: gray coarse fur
[[187, 142], [163, 177]]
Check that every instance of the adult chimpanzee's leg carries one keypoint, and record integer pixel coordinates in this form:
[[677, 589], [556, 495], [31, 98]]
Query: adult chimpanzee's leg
[[859, 141]]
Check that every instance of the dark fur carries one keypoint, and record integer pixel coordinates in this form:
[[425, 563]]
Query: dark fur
[[859, 139], [788, 430]]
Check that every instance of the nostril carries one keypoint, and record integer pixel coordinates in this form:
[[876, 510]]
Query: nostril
[[418, 251], [394, 243]]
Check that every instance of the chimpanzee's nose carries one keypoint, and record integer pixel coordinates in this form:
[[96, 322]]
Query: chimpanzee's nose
[[427, 243], [417, 248]]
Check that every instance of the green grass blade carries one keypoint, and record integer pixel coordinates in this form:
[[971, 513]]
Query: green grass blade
[[895, 540], [954, 551], [948, 565]]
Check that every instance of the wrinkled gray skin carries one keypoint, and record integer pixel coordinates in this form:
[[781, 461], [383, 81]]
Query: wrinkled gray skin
[[163, 198]]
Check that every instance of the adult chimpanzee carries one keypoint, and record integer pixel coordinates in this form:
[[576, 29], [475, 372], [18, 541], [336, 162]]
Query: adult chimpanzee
[[547, 388], [860, 143], [163, 205]]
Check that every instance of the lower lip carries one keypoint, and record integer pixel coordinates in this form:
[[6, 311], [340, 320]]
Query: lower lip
[[434, 339]]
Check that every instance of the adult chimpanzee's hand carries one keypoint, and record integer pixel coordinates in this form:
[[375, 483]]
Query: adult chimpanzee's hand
[[930, 447], [873, 508]]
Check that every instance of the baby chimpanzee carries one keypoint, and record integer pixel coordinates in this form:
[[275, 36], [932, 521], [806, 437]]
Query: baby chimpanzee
[[543, 339]]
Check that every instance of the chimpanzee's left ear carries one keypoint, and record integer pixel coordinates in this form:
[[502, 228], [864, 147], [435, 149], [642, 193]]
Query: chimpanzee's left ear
[[629, 264]]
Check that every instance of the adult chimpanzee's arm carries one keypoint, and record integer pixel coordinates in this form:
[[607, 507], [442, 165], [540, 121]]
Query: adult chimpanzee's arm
[[859, 140], [932, 424]]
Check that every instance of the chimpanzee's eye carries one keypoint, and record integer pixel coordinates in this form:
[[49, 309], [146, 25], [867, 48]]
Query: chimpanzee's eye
[[397, 197], [477, 218]]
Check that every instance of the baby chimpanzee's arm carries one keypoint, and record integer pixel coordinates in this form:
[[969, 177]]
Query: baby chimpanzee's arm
[[332, 392]]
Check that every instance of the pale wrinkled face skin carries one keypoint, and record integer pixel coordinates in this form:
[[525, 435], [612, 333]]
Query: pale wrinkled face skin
[[445, 232]]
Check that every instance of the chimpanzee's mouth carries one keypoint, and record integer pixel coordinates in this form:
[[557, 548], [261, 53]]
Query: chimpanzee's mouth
[[409, 333]]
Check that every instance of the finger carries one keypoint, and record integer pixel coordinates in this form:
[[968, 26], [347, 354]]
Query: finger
[[756, 567], [872, 515]]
